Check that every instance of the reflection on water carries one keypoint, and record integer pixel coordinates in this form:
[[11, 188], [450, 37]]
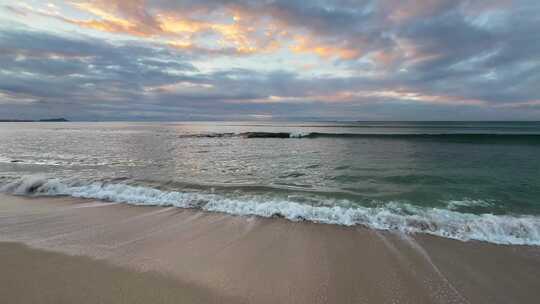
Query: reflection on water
[[360, 169]]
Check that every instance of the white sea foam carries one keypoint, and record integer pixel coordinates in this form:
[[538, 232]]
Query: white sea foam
[[58, 161], [299, 134], [456, 204], [499, 229]]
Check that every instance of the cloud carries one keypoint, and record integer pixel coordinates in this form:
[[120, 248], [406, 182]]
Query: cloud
[[159, 59]]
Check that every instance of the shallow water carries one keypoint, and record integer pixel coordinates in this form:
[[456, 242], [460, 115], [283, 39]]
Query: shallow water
[[455, 179]]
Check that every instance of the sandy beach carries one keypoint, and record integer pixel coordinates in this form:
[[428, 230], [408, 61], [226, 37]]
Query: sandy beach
[[38, 276], [66, 250]]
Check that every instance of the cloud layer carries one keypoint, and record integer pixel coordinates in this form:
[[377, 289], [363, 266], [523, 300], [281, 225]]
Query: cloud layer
[[241, 59]]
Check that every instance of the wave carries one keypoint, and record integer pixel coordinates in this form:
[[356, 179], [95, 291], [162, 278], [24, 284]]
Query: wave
[[396, 216], [52, 162], [455, 204], [243, 135], [460, 137]]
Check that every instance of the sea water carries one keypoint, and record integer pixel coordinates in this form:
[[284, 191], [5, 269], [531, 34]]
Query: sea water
[[460, 180]]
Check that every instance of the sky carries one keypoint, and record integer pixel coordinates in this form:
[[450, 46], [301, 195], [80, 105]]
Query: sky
[[167, 60]]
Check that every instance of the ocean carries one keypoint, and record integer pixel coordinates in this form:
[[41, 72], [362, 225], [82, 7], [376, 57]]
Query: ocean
[[462, 180]]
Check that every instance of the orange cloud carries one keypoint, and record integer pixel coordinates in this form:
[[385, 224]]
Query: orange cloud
[[173, 24], [125, 17], [244, 33], [224, 29], [228, 28], [305, 44]]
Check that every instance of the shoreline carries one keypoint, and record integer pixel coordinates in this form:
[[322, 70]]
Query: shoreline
[[259, 260], [444, 221]]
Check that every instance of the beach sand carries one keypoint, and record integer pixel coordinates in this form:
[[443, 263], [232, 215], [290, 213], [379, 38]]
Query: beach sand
[[38, 276], [66, 250]]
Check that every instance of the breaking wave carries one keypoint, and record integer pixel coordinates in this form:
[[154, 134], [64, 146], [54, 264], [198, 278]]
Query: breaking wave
[[459, 137], [499, 229]]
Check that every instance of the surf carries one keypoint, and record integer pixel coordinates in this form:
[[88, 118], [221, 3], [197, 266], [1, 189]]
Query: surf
[[392, 216]]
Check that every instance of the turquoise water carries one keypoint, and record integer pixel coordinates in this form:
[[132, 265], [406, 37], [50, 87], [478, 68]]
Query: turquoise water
[[461, 180]]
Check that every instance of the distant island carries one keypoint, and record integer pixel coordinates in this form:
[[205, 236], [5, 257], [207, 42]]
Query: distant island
[[61, 119]]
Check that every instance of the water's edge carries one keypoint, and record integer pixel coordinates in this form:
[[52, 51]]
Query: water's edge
[[393, 216]]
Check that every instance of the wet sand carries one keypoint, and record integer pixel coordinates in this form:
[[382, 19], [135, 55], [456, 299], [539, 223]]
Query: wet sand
[[87, 251]]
